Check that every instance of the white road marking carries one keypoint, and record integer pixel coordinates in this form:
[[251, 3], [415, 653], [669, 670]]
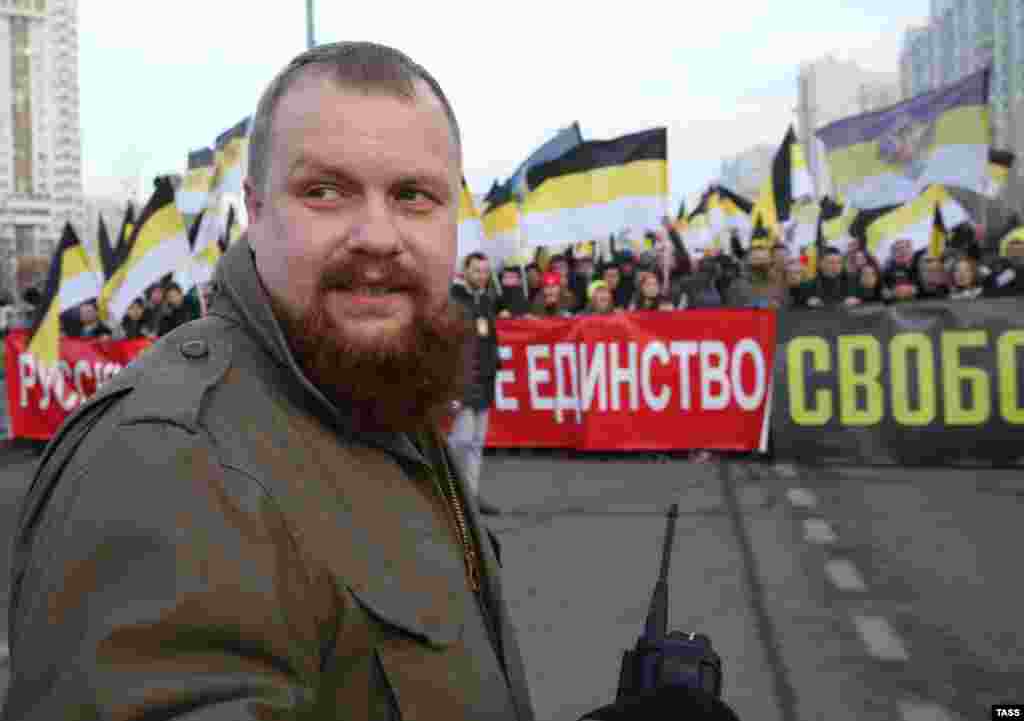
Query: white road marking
[[801, 497], [880, 639], [5, 652], [786, 470], [818, 531], [924, 712], [844, 575]]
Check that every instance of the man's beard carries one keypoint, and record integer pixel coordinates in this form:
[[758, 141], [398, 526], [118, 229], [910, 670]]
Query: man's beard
[[405, 383]]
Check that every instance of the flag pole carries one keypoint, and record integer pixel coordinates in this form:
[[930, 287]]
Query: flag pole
[[310, 26], [521, 251]]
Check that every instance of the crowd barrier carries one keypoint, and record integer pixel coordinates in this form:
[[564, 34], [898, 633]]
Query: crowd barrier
[[926, 383]]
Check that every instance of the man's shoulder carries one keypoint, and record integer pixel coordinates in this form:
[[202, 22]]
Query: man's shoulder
[[168, 381], [146, 416]]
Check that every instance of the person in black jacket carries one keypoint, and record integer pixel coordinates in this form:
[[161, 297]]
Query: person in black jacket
[[829, 288], [91, 325], [178, 311], [899, 277], [155, 307], [1007, 276], [513, 301], [932, 282], [469, 432], [611, 273], [132, 325]]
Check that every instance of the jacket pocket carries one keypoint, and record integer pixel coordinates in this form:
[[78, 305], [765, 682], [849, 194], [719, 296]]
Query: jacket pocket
[[420, 654], [421, 616]]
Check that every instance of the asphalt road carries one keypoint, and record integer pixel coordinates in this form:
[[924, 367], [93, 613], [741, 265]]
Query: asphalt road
[[867, 594], [937, 554]]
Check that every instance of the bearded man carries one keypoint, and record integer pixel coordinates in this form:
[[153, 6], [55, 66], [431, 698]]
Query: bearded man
[[259, 518]]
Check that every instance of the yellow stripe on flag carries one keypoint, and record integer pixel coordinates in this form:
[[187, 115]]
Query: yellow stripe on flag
[[503, 219], [937, 246], [797, 160], [45, 343], [963, 125], [162, 226], [913, 221], [600, 186], [197, 180], [467, 210]]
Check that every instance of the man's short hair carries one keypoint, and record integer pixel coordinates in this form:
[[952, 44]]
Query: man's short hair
[[475, 255], [364, 66], [173, 286]]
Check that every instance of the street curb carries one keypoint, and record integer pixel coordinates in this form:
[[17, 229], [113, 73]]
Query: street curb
[[809, 648], [785, 693]]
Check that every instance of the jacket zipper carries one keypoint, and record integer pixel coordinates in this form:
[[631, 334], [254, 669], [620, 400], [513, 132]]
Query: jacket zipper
[[451, 498], [469, 554]]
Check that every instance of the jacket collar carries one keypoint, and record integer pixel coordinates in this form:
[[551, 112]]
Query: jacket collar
[[239, 295]]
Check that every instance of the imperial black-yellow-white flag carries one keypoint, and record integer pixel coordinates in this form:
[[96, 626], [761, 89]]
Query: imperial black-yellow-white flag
[[71, 281], [736, 213], [598, 186], [158, 247], [915, 222], [124, 236], [108, 257], [194, 192], [702, 224], [199, 267], [891, 156], [789, 179], [500, 220], [229, 158]]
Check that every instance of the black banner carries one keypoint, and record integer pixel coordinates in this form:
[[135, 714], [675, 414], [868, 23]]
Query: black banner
[[926, 383]]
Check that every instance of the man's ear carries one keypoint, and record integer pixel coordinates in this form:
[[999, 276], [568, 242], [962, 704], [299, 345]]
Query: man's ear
[[253, 200]]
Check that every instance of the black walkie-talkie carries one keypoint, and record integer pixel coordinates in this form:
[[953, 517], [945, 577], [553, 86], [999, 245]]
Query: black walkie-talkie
[[664, 658]]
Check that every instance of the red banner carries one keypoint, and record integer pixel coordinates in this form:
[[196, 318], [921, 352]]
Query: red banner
[[38, 400], [635, 381], [629, 381]]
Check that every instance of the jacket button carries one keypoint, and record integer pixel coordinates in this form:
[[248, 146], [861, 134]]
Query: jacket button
[[195, 349]]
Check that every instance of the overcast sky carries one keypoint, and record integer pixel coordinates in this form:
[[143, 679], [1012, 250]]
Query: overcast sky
[[160, 79]]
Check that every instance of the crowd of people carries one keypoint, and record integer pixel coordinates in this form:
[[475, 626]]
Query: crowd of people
[[162, 308], [762, 276], [669, 278]]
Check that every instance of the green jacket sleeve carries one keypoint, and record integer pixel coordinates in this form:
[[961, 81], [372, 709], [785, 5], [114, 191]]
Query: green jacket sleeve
[[161, 585]]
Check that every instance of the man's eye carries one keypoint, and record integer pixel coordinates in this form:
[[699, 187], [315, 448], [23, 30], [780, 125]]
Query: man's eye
[[323, 192], [414, 195]]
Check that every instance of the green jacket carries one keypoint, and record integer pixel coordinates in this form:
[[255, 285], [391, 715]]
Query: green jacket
[[205, 539]]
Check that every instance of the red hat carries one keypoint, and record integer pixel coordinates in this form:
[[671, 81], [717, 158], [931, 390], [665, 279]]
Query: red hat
[[551, 278]]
